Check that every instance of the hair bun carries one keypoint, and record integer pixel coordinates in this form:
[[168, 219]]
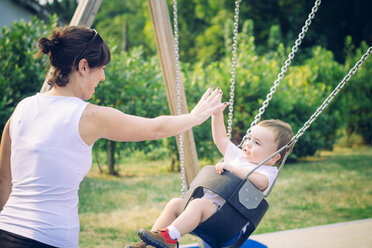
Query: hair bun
[[45, 45]]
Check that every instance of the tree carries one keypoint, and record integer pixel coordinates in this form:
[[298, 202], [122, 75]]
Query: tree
[[300, 93], [65, 9], [127, 24], [356, 102], [133, 85]]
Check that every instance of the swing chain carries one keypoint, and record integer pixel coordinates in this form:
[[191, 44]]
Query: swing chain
[[320, 109], [179, 103], [284, 69], [330, 97], [233, 68]]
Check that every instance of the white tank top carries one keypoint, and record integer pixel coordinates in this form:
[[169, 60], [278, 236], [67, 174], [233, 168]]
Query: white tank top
[[48, 161]]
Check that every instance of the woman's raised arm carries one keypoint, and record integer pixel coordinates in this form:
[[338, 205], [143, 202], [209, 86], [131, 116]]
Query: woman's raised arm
[[104, 122]]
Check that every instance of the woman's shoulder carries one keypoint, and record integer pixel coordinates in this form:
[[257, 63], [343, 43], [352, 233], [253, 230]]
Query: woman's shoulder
[[97, 111], [25, 101], [96, 114], [28, 99], [94, 111], [94, 122]]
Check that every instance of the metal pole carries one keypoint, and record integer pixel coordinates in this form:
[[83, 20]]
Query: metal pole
[[165, 45]]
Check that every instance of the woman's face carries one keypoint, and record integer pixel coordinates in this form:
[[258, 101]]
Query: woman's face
[[95, 76]]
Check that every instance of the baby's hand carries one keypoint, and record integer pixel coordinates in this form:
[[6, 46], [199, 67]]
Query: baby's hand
[[220, 167]]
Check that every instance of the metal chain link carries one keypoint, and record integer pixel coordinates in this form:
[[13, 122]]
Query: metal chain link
[[284, 69], [233, 76], [330, 97], [233, 68], [179, 102]]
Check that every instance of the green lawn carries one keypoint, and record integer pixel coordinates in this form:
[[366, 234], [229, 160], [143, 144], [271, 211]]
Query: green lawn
[[332, 187]]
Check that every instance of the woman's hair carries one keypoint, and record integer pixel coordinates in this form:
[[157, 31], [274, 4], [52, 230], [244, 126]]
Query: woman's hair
[[283, 134], [67, 46]]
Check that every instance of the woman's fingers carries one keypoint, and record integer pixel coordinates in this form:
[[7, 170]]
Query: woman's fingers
[[207, 93], [211, 95], [208, 104], [217, 98], [217, 93]]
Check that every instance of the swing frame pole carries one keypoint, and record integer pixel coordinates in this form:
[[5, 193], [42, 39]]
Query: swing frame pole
[[166, 50]]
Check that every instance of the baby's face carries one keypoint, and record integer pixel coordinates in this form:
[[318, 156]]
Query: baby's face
[[259, 145]]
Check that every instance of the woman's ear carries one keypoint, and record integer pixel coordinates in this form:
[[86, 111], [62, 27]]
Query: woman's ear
[[83, 66]]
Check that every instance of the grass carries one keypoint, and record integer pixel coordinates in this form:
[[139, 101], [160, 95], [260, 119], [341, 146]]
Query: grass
[[329, 188]]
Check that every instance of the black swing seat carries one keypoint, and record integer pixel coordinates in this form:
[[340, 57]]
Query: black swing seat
[[244, 204]]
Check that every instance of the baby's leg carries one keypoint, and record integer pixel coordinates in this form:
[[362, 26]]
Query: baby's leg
[[168, 215], [196, 212]]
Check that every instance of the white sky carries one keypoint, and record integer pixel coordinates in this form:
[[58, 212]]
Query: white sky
[[42, 2]]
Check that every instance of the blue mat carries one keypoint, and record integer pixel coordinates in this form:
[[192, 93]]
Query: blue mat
[[253, 244]]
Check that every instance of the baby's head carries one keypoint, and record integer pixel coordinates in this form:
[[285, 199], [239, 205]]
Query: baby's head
[[282, 132], [265, 139]]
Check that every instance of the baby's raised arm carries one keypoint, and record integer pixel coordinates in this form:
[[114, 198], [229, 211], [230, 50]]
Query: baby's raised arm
[[219, 131]]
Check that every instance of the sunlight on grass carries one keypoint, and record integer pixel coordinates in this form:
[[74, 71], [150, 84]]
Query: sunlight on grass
[[328, 188]]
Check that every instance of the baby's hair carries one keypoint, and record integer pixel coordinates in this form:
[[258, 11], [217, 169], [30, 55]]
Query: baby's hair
[[282, 131], [67, 46]]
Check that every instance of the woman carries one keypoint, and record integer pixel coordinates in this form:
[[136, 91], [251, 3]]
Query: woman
[[47, 143]]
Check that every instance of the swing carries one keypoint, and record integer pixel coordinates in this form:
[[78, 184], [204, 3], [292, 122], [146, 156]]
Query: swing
[[244, 203]]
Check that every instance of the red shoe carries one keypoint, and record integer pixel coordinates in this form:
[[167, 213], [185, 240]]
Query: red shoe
[[159, 239]]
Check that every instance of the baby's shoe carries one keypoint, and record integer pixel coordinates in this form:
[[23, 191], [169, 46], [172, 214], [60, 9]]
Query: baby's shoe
[[159, 239]]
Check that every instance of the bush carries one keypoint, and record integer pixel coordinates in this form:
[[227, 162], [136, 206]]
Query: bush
[[356, 103], [135, 86], [301, 91], [21, 75]]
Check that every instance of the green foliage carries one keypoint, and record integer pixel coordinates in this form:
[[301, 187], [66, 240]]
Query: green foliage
[[275, 38], [208, 44], [357, 104], [21, 74], [127, 24], [200, 23], [300, 93], [133, 85], [64, 8], [302, 90]]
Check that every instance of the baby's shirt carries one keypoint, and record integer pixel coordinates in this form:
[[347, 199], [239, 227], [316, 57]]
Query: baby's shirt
[[235, 157]]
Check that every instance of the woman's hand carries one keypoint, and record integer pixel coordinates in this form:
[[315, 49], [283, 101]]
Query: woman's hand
[[209, 103]]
